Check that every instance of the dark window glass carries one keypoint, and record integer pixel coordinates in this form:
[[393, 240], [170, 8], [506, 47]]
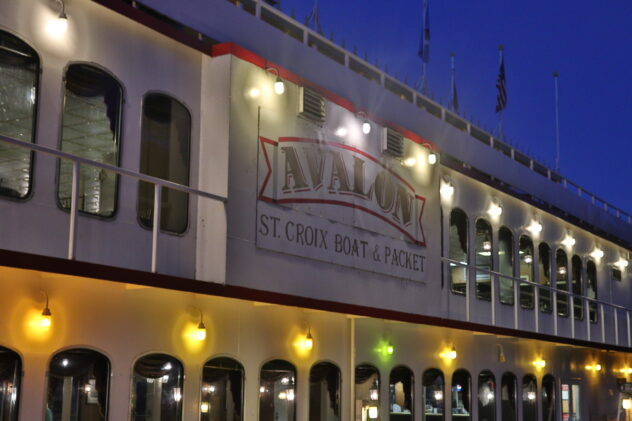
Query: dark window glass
[[461, 404], [10, 376], [433, 385], [458, 251], [486, 396], [19, 71], [157, 389], [616, 274], [529, 395], [544, 276], [526, 271], [277, 391], [506, 265], [483, 250], [91, 126], [561, 282], [367, 392], [165, 146], [222, 390], [324, 392], [591, 288], [548, 398], [78, 383], [400, 389], [508, 398], [578, 303]]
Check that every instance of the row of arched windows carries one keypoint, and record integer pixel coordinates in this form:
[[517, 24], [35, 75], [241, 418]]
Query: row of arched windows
[[78, 389], [91, 128], [522, 265]]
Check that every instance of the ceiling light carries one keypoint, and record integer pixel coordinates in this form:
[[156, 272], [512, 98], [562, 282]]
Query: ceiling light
[[568, 241], [621, 263], [535, 227]]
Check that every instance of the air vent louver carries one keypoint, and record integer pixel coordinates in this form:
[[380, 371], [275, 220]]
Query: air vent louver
[[393, 142], [311, 105]]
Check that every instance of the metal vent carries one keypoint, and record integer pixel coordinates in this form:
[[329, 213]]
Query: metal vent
[[311, 105], [393, 142]]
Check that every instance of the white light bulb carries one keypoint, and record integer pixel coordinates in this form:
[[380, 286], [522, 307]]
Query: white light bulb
[[495, 209], [446, 190], [597, 253], [432, 158], [279, 87], [341, 131], [366, 127], [57, 26], [568, 241], [409, 162]]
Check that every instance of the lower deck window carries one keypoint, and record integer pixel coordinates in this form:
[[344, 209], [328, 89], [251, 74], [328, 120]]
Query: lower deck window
[[277, 392], [157, 389], [222, 390], [461, 386], [10, 374], [433, 385], [486, 396], [324, 392], [400, 389], [367, 392]]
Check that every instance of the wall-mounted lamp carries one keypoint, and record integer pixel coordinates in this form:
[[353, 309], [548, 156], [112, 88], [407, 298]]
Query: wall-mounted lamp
[[341, 131], [561, 270], [593, 367], [534, 227], [308, 342], [432, 155], [59, 25], [597, 253], [409, 162], [501, 354], [621, 263], [568, 241], [495, 209], [366, 124], [625, 370], [279, 86], [446, 190], [448, 354], [200, 332], [47, 316], [539, 363]]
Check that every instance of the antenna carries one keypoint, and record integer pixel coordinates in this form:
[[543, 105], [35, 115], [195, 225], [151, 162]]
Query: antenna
[[557, 126], [313, 19]]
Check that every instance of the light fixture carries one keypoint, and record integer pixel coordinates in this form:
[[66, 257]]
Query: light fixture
[[539, 363], [283, 396], [366, 124], [495, 209], [626, 403], [438, 395], [487, 245], [390, 349], [432, 158], [597, 253], [59, 25], [204, 407], [254, 93], [177, 394], [561, 270], [531, 395], [593, 367], [285, 380], [448, 354], [372, 412], [374, 393], [621, 263], [200, 332], [279, 86], [501, 354], [447, 189], [568, 241], [167, 366], [262, 389], [47, 316], [341, 131], [409, 162], [290, 395], [625, 370], [65, 362], [535, 227], [528, 259], [308, 342]]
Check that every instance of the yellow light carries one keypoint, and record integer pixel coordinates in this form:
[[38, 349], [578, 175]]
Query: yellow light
[[279, 86], [204, 408], [46, 321], [539, 363], [254, 93], [373, 412], [448, 354], [626, 403], [495, 209], [432, 158], [57, 26], [200, 333], [283, 396], [593, 367], [409, 162], [308, 343], [597, 367], [390, 350]]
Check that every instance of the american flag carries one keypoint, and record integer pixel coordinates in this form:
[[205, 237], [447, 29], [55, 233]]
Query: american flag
[[501, 97], [424, 42]]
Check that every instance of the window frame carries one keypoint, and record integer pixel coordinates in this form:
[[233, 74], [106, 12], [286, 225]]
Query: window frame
[[412, 387], [467, 252], [491, 257], [243, 380], [332, 364], [295, 386], [504, 276], [433, 370], [19, 376]]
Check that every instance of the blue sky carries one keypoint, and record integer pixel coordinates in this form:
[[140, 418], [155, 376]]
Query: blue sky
[[587, 42]]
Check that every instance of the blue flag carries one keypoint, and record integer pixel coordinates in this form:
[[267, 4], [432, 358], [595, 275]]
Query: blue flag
[[424, 42]]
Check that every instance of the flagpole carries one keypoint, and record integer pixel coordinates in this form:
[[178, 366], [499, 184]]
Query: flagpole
[[424, 46], [453, 93], [501, 133], [557, 125]]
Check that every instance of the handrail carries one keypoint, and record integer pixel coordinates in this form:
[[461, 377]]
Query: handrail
[[444, 113], [77, 161]]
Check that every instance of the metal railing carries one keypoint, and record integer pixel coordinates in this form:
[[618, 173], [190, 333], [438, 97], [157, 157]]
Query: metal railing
[[589, 306], [352, 61], [77, 161]]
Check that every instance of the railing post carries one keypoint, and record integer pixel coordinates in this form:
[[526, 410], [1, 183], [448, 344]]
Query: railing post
[[571, 302], [627, 319], [468, 292], [74, 198], [258, 8], [156, 226], [492, 279], [516, 299], [555, 314], [616, 326], [536, 307], [587, 317], [603, 323]]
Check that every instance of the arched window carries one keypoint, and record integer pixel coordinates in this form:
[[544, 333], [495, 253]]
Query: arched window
[[483, 250], [576, 283], [461, 395], [548, 398], [91, 129], [222, 390], [324, 392], [277, 391], [544, 276], [509, 398], [433, 402], [486, 396], [10, 376], [19, 72], [529, 395], [78, 384], [157, 388], [164, 153], [458, 251], [591, 289], [367, 392], [506, 265], [561, 282], [401, 388], [526, 271]]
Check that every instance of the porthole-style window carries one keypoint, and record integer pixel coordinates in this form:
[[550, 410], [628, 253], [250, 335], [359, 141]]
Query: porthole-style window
[[486, 396], [561, 282], [401, 400], [591, 289], [461, 395], [508, 398], [367, 392], [19, 72], [548, 397], [78, 384], [164, 153], [277, 391], [544, 276], [324, 392], [526, 271], [157, 388], [529, 395], [458, 251], [576, 287], [222, 390], [433, 392], [91, 129], [506, 265], [483, 250], [10, 377]]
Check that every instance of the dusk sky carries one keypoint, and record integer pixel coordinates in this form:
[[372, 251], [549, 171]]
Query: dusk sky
[[588, 43]]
